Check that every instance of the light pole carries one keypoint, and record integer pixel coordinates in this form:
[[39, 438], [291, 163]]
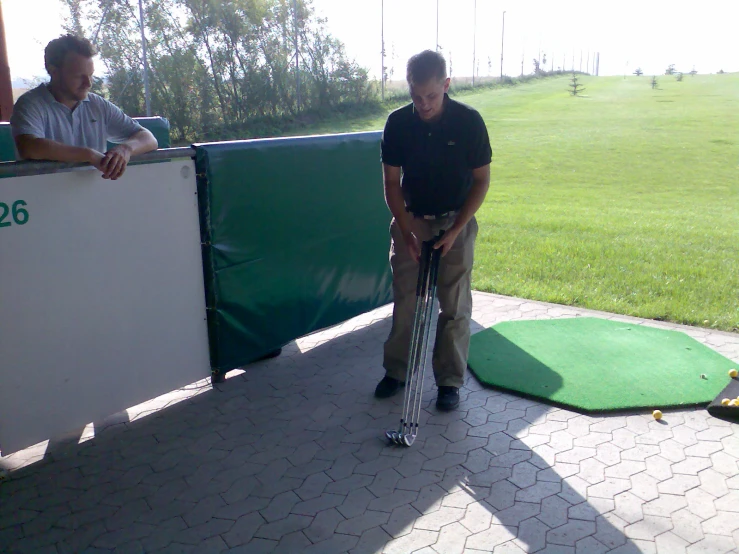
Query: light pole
[[382, 32], [437, 25], [474, 42], [147, 98], [502, 34]]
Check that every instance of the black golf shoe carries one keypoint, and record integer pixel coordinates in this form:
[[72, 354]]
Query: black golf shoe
[[388, 387], [448, 398]]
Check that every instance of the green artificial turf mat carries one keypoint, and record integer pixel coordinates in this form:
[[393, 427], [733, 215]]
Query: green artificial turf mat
[[594, 364]]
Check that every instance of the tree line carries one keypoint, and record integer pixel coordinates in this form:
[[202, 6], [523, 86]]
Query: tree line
[[220, 69]]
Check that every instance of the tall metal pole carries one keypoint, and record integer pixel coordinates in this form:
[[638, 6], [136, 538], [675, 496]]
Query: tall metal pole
[[474, 43], [382, 32], [502, 34], [437, 25], [297, 54], [147, 97], [6, 86]]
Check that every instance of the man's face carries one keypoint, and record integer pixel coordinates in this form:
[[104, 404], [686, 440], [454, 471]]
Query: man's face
[[74, 77], [428, 98]]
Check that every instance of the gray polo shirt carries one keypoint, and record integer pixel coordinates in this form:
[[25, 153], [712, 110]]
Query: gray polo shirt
[[91, 124]]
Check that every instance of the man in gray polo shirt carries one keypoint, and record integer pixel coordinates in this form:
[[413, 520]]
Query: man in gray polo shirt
[[63, 121]]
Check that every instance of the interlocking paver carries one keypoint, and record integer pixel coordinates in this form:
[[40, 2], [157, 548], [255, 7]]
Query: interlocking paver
[[558, 472], [345, 486], [400, 522], [510, 547], [518, 512], [609, 530], [625, 469], [644, 486], [243, 529], [712, 544], [648, 528], [477, 517], [629, 507], [314, 403], [371, 541], [702, 503], [571, 532], [278, 529], [554, 511], [592, 470], [589, 545], [478, 460], [591, 509], [609, 488], [411, 542], [439, 518], [292, 542], [524, 474], [713, 482], [608, 453], [723, 523], [574, 489], [670, 543], [465, 497], [531, 535], [485, 540], [356, 503], [687, 525]]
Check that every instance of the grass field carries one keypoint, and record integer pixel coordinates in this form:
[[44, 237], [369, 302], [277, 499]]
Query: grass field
[[624, 200]]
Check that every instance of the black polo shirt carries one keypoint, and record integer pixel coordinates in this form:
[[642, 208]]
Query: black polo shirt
[[437, 158]]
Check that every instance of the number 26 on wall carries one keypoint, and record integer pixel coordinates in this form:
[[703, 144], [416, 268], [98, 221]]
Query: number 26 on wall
[[16, 212]]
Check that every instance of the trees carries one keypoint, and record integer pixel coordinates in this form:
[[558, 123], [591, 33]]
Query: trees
[[575, 87], [670, 69], [638, 72], [219, 67]]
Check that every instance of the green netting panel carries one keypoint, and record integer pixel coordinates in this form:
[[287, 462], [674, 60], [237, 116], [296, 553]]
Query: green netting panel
[[295, 239]]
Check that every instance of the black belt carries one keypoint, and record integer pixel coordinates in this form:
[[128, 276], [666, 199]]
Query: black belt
[[433, 216]]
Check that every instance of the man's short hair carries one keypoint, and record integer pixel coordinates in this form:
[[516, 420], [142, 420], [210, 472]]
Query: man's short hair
[[424, 67], [58, 48]]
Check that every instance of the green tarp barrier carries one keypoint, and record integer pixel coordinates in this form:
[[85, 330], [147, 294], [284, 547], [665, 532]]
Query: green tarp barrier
[[157, 125], [295, 236], [7, 146]]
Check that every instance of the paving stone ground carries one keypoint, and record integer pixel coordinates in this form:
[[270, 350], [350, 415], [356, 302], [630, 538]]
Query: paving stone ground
[[289, 456]]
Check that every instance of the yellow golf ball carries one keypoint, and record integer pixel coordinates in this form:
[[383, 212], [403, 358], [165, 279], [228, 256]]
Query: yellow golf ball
[[733, 373], [732, 403], [725, 401], [657, 414]]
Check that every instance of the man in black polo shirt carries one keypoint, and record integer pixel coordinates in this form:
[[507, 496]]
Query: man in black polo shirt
[[442, 150]]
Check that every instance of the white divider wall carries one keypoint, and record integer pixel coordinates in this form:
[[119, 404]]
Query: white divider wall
[[101, 296]]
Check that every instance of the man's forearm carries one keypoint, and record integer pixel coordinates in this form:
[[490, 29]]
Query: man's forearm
[[51, 150], [476, 197], [142, 142], [396, 205]]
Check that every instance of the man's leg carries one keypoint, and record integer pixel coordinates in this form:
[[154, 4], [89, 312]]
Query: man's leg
[[455, 300], [405, 278]]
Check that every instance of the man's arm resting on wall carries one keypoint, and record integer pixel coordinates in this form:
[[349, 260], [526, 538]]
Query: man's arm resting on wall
[[478, 191], [33, 148], [141, 142], [396, 204], [116, 159]]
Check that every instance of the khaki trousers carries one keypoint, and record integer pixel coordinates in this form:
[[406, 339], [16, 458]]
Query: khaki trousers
[[451, 344]]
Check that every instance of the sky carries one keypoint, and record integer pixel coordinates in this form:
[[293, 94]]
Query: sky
[[650, 34]]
